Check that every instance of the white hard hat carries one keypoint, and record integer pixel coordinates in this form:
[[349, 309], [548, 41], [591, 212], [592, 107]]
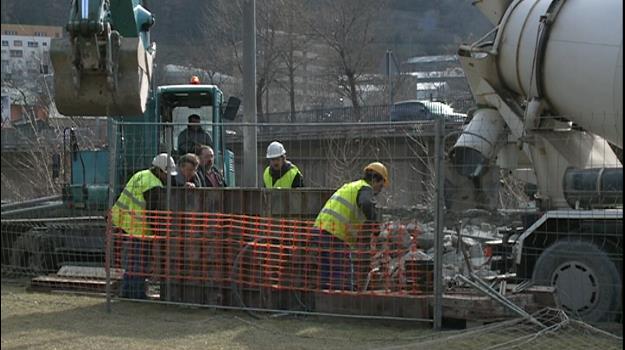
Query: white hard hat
[[275, 150], [161, 162]]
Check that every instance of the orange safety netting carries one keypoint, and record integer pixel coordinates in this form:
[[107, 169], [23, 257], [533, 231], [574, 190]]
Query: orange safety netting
[[259, 252]]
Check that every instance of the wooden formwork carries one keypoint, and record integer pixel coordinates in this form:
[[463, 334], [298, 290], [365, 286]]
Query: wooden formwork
[[199, 262]]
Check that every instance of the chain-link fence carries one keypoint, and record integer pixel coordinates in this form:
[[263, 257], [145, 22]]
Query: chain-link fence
[[504, 227], [553, 195], [262, 249]]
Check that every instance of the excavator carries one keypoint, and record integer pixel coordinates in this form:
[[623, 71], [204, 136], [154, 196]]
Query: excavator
[[548, 84], [104, 66]]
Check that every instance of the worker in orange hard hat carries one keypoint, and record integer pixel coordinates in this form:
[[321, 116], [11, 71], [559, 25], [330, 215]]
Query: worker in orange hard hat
[[342, 218]]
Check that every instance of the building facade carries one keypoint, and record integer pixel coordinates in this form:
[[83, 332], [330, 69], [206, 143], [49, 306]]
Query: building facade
[[438, 77], [26, 70], [26, 50]]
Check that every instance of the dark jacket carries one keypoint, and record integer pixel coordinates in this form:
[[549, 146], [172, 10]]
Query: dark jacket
[[154, 198], [188, 140], [210, 178], [366, 202], [180, 181]]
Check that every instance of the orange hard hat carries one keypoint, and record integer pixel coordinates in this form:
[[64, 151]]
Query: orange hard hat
[[380, 169]]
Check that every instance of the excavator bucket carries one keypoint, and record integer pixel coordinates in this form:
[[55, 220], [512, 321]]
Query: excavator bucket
[[89, 92]]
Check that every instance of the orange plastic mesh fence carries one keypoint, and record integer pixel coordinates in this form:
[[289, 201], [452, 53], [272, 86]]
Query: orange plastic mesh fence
[[258, 252]]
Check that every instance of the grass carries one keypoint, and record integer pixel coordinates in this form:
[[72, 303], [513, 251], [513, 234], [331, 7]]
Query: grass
[[64, 321]]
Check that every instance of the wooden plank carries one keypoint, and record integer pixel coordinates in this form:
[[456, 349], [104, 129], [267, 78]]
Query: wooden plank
[[475, 307], [88, 272], [49, 283]]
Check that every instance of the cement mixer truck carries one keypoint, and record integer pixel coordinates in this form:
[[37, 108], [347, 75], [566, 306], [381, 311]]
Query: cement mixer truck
[[548, 84]]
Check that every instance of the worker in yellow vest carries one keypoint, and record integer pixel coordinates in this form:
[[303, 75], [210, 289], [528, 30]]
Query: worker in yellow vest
[[128, 215], [340, 221], [281, 173]]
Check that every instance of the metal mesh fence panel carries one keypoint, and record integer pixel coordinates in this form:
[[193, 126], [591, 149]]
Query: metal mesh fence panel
[[526, 218], [272, 264], [550, 210], [266, 254]]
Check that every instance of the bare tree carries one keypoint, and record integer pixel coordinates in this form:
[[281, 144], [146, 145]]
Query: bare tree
[[293, 53], [227, 17], [347, 28], [27, 172], [423, 166]]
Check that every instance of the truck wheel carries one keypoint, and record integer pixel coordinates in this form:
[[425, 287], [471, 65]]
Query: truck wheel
[[586, 280]]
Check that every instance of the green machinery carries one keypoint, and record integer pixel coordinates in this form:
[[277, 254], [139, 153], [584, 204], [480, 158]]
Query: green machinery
[[105, 67]]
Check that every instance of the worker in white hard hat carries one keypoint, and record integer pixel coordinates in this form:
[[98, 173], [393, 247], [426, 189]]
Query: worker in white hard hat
[[128, 215], [281, 173], [340, 221]]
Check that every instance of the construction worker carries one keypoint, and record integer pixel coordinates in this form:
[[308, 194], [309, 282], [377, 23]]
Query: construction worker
[[341, 219], [281, 173], [128, 215]]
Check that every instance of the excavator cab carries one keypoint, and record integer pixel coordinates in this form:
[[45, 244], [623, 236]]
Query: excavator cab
[[104, 65], [174, 103]]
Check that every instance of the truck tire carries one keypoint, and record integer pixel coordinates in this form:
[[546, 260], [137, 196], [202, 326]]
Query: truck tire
[[588, 284]]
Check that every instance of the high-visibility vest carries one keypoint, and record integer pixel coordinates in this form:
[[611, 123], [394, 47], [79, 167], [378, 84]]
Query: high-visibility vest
[[128, 213], [341, 215], [286, 181]]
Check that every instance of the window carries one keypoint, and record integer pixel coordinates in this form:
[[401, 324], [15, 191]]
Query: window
[[33, 44], [40, 34], [44, 69], [44, 44], [10, 32], [17, 43], [5, 43], [16, 53]]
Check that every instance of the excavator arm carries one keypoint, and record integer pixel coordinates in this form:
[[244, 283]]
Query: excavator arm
[[104, 64]]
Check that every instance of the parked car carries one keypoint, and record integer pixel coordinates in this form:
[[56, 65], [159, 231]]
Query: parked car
[[412, 110]]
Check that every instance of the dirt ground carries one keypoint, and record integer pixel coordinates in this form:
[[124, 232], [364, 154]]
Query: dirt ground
[[64, 321]]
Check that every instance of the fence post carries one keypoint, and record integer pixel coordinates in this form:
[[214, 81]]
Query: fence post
[[439, 223], [112, 131], [169, 147]]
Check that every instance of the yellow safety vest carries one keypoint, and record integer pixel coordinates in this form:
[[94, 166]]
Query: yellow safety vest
[[341, 215], [128, 213], [286, 181]]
